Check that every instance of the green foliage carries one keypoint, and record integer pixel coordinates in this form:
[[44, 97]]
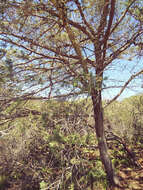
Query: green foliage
[[43, 185], [59, 158], [47, 151], [3, 181], [126, 118], [61, 49]]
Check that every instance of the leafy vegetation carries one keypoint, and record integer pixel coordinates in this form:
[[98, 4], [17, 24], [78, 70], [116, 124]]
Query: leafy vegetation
[[56, 149], [58, 50], [126, 118]]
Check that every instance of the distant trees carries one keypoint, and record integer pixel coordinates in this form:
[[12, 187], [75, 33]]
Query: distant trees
[[64, 49]]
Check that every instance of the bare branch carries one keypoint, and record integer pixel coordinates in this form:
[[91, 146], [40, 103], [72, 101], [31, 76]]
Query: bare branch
[[124, 87]]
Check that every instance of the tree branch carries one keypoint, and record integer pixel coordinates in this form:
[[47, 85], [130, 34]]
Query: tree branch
[[124, 87]]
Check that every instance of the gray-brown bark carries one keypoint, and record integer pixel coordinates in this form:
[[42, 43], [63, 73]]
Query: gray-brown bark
[[99, 127]]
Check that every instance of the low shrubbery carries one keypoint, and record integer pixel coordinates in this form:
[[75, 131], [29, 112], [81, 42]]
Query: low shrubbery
[[57, 148]]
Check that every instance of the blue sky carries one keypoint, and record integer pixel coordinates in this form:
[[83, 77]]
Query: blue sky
[[118, 73]]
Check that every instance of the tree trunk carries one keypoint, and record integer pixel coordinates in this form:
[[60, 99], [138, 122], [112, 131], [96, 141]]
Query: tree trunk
[[99, 127]]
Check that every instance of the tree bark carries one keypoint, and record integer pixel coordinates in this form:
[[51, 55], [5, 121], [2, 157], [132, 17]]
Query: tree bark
[[99, 127]]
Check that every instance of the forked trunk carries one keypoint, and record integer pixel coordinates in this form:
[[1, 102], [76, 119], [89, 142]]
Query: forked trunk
[[99, 127]]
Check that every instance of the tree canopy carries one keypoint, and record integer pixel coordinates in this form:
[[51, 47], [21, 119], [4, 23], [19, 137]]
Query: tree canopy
[[51, 48], [63, 48]]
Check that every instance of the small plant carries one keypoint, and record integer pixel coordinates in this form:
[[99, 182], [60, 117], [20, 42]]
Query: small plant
[[43, 185]]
